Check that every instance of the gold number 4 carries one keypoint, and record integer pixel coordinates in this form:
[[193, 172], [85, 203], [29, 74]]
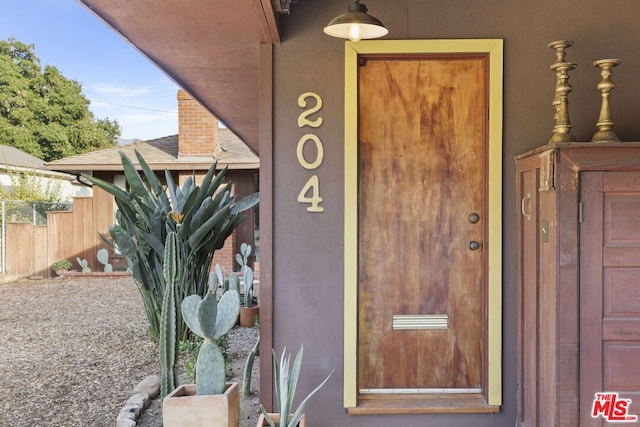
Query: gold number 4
[[312, 186]]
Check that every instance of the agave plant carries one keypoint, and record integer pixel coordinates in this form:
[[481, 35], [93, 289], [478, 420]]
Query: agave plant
[[285, 386], [201, 216]]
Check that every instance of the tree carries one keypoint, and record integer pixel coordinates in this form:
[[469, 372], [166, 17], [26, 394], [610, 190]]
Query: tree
[[42, 112]]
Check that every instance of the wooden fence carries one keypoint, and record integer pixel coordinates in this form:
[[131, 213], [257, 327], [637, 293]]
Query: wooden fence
[[31, 249]]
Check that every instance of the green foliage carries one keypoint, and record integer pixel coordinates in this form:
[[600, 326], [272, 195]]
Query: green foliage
[[285, 386], [62, 264], [30, 186], [30, 195], [42, 112], [224, 345], [201, 216], [190, 350], [211, 319]]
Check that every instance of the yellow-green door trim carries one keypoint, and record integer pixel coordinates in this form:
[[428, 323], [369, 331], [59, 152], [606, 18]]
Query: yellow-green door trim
[[494, 48]]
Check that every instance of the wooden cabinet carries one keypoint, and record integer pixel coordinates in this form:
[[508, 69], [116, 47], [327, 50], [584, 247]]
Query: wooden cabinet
[[578, 295]]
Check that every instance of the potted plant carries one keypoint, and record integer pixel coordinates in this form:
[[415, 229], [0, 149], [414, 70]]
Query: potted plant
[[211, 401], [61, 266], [248, 311], [285, 388]]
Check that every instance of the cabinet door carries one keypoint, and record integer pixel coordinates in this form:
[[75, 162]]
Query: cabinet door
[[527, 296], [610, 290]]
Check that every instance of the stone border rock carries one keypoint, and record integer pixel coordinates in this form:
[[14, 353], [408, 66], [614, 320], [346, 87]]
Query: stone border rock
[[148, 388]]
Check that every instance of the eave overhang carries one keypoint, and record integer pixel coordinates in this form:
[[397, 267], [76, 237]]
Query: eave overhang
[[210, 48]]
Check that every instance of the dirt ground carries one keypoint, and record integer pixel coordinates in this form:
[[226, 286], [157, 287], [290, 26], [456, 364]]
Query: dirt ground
[[73, 350]]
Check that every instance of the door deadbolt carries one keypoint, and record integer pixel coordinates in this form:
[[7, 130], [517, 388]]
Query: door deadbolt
[[473, 218], [473, 245]]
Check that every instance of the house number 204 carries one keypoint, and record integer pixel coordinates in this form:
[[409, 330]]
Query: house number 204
[[310, 193]]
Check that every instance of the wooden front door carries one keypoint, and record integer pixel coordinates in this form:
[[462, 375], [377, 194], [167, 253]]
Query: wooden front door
[[609, 290], [422, 223]]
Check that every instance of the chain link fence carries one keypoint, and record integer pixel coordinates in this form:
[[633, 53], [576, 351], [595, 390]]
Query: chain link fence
[[30, 212]]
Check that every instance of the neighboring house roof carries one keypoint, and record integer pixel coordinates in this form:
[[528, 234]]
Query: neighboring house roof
[[162, 153], [11, 156], [13, 159]]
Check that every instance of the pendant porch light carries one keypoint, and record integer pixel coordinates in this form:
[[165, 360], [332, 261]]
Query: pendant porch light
[[356, 24]]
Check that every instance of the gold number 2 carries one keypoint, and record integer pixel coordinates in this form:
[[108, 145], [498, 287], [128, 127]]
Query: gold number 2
[[303, 119]]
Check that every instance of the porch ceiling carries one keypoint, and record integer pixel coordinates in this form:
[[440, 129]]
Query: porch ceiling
[[210, 48]]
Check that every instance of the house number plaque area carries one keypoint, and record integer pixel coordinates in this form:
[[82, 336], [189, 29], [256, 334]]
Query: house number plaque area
[[310, 192]]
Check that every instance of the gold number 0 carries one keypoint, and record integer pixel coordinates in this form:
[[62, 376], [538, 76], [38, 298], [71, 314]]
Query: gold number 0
[[319, 152]]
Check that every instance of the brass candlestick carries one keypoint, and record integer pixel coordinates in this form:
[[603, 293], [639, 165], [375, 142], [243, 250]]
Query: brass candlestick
[[562, 128], [605, 122], [560, 47]]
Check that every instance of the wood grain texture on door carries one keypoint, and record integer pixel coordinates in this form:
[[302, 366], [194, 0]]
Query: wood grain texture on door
[[422, 173]]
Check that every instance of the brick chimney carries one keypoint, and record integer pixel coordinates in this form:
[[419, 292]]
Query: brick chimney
[[197, 128]]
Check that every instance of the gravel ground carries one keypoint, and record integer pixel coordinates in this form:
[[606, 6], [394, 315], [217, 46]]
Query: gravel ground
[[72, 350]]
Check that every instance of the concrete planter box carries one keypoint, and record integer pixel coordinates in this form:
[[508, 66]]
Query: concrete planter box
[[183, 407]]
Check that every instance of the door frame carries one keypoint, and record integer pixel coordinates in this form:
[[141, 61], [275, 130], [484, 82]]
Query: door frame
[[494, 49]]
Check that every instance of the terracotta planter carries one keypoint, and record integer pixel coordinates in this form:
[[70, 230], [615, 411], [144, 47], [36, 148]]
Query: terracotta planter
[[248, 315], [183, 407], [276, 419]]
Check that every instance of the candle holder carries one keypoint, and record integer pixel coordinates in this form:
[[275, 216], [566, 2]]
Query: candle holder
[[606, 85], [560, 47], [562, 127]]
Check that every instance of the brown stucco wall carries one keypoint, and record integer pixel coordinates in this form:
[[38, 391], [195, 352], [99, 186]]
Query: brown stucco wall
[[308, 248]]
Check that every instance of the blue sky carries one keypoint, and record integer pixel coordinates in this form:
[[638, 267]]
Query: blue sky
[[119, 81]]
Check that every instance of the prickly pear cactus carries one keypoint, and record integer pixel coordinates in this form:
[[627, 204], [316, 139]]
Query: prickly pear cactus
[[243, 261], [84, 265], [103, 258], [210, 319]]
